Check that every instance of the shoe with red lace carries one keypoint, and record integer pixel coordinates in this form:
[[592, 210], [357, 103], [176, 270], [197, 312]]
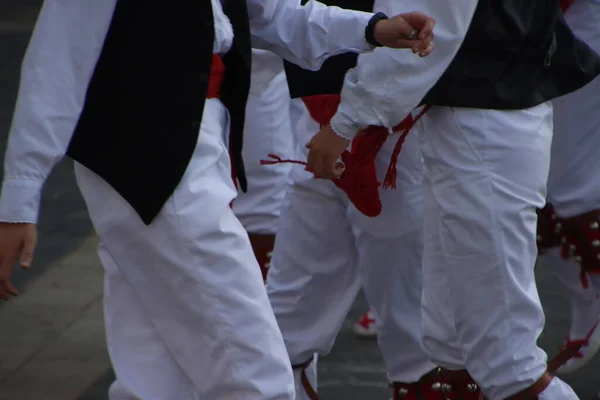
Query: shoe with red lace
[[366, 326], [585, 330]]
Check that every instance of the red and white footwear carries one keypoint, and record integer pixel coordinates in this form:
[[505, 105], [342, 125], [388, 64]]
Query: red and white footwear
[[429, 387], [585, 330], [366, 326]]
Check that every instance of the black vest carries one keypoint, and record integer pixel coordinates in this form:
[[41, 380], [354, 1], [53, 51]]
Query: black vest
[[330, 78], [517, 54], [143, 109]]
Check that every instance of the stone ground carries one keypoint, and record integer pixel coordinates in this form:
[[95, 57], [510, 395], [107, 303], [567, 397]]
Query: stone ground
[[51, 337]]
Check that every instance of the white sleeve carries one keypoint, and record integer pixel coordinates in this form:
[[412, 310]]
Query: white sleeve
[[387, 84], [58, 65], [306, 35]]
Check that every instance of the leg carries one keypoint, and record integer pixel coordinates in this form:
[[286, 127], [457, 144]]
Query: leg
[[439, 334], [574, 190], [485, 177], [267, 131], [195, 275], [585, 309], [390, 256], [139, 355], [314, 278]]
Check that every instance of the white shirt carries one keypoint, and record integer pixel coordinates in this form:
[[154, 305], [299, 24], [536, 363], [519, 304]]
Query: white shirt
[[65, 46], [387, 84]]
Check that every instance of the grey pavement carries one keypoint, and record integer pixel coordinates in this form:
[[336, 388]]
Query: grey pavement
[[63, 221], [51, 337]]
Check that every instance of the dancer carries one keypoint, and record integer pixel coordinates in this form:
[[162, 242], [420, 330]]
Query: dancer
[[573, 212], [334, 238], [267, 130], [486, 146], [130, 90]]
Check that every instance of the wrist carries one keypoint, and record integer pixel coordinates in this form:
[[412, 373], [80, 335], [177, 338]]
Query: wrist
[[20, 200], [370, 29]]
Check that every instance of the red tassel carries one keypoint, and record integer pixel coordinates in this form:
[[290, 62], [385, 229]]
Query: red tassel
[[406, 125], [278, 160], [390, 176]]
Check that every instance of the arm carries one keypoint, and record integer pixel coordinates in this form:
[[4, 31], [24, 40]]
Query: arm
[[306, 35], [387, 84], [56, 70]]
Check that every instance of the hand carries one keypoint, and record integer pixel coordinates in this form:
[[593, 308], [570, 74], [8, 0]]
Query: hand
[[398, 32], [17, 241], [326, 147]]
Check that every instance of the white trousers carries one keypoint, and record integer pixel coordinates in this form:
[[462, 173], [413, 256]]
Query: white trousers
[[267, 131], [485, 174], [187, 315], [326, 250], [574, 181]]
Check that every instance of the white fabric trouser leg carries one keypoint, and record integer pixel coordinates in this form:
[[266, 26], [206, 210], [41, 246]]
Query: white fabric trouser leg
[[325, 246], [267, 131], [314, 263], [313, 278], [574, 182], [197, 284], [130, 331], [390, 251], [567, 272], [485, 174]]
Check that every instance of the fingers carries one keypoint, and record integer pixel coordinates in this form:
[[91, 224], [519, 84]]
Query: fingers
[[16, 240], [3, 293], [27, 251], [424, 50], [325, 150], [404, 26], [421, 22], [426, 30], [324, 165], [428, 50], [338, 168], [330, 167], [327, 169], [7, 289], [310, 159], [417, 46], [314, 161], [7, 263], [418, 29]]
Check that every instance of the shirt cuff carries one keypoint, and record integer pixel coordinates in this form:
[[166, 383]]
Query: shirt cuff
[[363, 46], [343, 126], [20, 200]]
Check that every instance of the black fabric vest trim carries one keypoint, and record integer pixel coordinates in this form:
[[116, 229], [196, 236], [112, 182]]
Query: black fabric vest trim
[[143, 109], [330, 78], [236, 86], [517, 54]]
